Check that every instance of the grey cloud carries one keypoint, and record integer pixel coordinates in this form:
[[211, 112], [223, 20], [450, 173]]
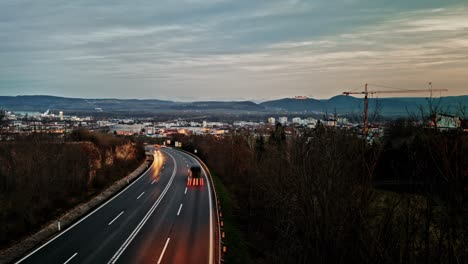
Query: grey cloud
[[218, 49]]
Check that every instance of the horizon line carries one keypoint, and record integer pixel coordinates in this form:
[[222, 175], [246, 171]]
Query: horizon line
[[260, 100]]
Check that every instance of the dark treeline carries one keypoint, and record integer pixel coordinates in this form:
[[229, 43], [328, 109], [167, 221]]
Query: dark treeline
[[313, 198], [42, 176]]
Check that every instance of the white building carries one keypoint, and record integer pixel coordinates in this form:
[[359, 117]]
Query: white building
[[297, 120], [342, 121], [271, 120], [216, 124], [311, 120], [181, 123], [103, 123], [10, 116], [283, 120], [445, 122], [329, 122], [126, 129], [197, 130], [195, 124], [244, 123], [149, 130], [17, 123]]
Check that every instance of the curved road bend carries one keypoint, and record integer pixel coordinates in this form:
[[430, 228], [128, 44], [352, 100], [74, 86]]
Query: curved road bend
[[156, 219]]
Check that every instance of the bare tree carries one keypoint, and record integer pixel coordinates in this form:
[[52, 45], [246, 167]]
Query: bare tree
[[462, 110], [375, 115], [430, 112], [2, 117]]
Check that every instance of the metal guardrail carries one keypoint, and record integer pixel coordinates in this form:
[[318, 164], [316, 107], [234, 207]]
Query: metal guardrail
[[218, 230]]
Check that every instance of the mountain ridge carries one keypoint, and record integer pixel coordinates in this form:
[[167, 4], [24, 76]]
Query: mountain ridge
[[341, 104]]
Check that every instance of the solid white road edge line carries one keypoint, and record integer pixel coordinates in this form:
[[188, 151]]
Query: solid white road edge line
[[147, 216], [110, 223], [180, 208], [68, 260], [88, 215], [164, 250]]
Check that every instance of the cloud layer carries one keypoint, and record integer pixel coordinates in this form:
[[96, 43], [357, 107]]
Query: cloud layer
[[221, 49]]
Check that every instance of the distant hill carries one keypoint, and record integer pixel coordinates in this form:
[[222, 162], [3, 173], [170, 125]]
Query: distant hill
[[341, 104], [41, 103], [212, 105], [44, 102], [294, 105], [348, 104]]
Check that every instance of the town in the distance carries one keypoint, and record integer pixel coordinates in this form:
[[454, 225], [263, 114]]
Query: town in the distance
[[292, 113]]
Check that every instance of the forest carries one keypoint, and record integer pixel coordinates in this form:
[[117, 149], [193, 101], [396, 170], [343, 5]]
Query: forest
[[42, 177], [327, 196]]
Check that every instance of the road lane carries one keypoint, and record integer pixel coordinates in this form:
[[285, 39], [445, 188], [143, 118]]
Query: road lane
[[92, 238], [157, 219], [189, 231]]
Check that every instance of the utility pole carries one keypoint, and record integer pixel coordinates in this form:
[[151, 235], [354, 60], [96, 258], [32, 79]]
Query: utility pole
[[366, 117], [430, 84]]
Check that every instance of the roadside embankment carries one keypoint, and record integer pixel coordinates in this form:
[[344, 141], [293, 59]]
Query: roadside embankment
[[43, 183], [68, 218]]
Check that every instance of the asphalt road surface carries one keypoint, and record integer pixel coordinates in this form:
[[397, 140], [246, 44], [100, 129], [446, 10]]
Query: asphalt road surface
[[156, 219]]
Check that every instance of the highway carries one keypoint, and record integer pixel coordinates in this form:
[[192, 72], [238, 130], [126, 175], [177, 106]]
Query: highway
[[156, 219]]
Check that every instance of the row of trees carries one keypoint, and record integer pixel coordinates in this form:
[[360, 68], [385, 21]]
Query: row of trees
[[311, 199], [41, 177]]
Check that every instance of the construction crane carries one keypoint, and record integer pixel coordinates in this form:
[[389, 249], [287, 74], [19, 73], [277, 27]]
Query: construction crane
[[366, 92]]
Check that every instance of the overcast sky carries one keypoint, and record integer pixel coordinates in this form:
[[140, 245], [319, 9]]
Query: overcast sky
[[230, 49]]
